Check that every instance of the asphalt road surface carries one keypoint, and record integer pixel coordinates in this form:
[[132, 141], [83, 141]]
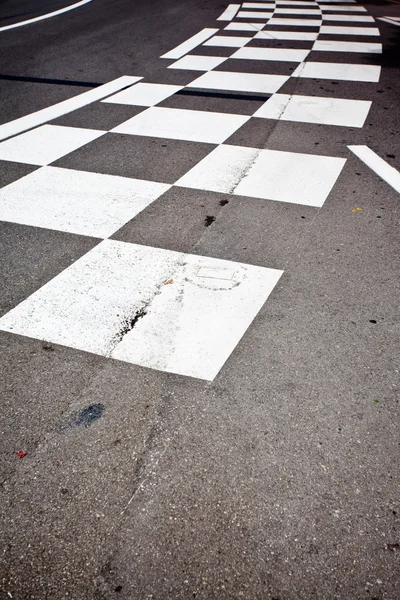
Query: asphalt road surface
[[199, 308]]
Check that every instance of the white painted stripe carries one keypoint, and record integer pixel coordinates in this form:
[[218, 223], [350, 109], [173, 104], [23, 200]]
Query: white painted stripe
[[336, 1], [348, 18], [228, 41], [377, 164], [245, 14], [179, 124], [144, 94], [269, 174], [193, 62], [286, 35], [337, 30], [76, 201], [390, 20], [311, 109], [238, 26], [190, 44], [189, 327], [229, 12], [340, 8], [296, 22], [47, 16], [297, 3], [362, 47], [274, 54], [339, 71], [57, 110], [267, 5], [239, 82]]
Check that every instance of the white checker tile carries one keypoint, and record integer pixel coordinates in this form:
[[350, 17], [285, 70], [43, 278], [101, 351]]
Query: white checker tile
[[338, 30], [192, 62], [348, 18], [269, 174], [267, 5], [228, 41], [248, 14], [311, 109], [339, 71], [296, 22], [178, 124], [229, 12], [343, 8], [239, 82], [79, 202], [286, 35], [297, 3], [297, 11], [190, 327], [238, 26], [363, 47], [277, 54], [144, 94], [46, 144]]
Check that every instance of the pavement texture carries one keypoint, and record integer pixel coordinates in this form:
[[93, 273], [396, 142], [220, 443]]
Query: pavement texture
[[280, 478]]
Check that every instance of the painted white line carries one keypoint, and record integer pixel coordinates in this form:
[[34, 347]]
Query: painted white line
[[239, 82], [57, 110], [76, 201], [267, 5], [190, 44], [228, 41], [178, 124], [46, 144], [274, 54], [340, 8], [362, 47], [47, 16], [144, 94], [286, 35], [348, 18], [339, 71], [198, 63], [311, 109], [189, 327], [269, 174], [229, 12], [246, 14], [297, 3], [237, 26], [377, 164], [338, 30], [390, 20], [296, 22]]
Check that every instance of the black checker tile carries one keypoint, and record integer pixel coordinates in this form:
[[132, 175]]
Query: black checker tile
[[355, 58], [139, 157], [274, 43], [263, 67], [214, 101], [11, 171], [100, 115], [351, 90]]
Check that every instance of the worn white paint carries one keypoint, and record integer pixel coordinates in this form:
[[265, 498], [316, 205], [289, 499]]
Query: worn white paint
[[190, 327], [338, 30], [61, 108], [377, 164], [229, 12], [269, 174], [55, 13], [239, 82], [286, 35], [276, 54], [339, 71], [390, 20], [46, 144], [193, 62], [144, 94], [238, 26], [362, 47], [190, 44], [343, 8], [76, 201], [179, 124], [349, 18], [228, 41], [311, 109]]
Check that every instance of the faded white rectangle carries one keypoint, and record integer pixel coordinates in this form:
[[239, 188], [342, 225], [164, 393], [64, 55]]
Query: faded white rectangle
[[339, 71], [362, 47]]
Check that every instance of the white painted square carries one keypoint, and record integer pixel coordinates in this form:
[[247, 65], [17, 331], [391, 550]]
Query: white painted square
[[267, 5], [239, 82], [228, 41], [190, 327], [46, 144], [238, 26], [363, 47], [306, 36], [296, 22], [198, 63], [348, 18], [144, 94], [76, 201], [274, 54], [261, 14], [339, 71], [310, 109], [269, 174], [343, 8], [179, 124], [338, 30]]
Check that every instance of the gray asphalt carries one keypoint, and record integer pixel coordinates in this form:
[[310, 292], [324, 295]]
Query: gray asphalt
[[280, 479]]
